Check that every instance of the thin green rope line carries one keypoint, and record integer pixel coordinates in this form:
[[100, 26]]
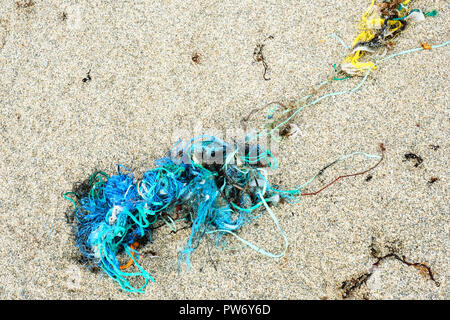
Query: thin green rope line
[[350, 90], [71, 200], [255, 247]]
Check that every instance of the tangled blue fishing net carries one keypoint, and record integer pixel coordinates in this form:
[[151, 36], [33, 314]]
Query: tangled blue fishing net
[[220, 186]]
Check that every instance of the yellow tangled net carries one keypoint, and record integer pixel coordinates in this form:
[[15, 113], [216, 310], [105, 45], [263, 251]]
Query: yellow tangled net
[[371, 22]]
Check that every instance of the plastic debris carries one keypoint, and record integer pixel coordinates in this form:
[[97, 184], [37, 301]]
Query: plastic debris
[[378, 26], [221, 187]]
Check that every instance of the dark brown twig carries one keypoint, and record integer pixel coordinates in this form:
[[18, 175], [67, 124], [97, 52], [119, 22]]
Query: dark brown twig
[[259, 57], [349, 286]]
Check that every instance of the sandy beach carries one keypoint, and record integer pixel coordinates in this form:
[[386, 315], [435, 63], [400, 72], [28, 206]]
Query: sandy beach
[[86, 85]]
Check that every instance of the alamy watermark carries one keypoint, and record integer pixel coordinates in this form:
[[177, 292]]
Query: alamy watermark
[[230, 145]]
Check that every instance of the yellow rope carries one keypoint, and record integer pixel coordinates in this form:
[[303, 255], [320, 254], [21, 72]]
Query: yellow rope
[[370, 22]]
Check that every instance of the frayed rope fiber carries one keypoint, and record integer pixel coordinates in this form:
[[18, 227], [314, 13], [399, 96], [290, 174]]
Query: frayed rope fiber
[[118, 211]]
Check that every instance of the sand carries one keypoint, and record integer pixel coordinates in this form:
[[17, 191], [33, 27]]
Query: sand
[[144, 87]]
